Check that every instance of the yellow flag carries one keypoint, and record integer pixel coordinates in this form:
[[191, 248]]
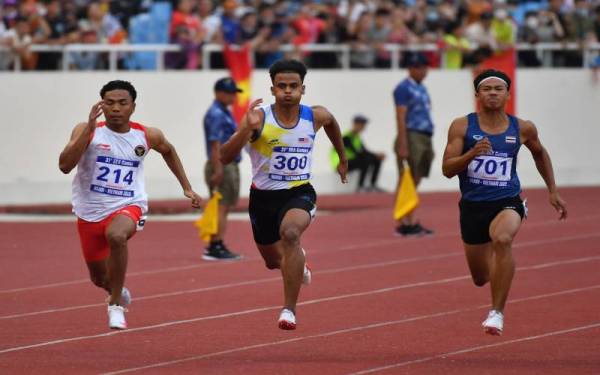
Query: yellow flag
[[407, 198], [208, 223]]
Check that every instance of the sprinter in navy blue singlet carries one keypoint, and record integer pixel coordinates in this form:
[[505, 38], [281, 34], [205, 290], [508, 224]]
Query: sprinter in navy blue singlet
[[482, 150]]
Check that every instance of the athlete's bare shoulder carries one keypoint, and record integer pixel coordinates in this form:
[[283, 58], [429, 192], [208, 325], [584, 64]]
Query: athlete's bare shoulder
[[320, 111], [154, 136], [458, 126], [527, 131], [526, 125], [78, 130], [322, 116]]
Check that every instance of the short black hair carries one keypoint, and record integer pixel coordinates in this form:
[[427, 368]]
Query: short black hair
[[287, 66], [119, 85], [491, 73]]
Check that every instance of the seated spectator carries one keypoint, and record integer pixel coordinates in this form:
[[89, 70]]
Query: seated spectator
[[480, 33], [400, 32], [275, 20], [455, 45], [378, 36], [187, 31], [18, 39], [211, 23], [529, 34], [359, 158], [230, 24], [58, 28], [87, 60], [329, 34], [250, 31], [107, 27], [503, 30], [362, 54]]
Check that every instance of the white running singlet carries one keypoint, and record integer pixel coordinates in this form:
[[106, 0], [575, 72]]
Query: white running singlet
[[110, 174], [282, 157]]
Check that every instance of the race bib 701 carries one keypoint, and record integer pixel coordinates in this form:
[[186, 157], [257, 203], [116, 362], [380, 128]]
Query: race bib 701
[[491, 168]]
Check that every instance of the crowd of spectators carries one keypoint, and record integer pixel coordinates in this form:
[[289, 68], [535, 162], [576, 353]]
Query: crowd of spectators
[[464, 31]]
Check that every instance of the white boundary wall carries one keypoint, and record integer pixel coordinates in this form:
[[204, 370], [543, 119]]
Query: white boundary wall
[[38, 111]]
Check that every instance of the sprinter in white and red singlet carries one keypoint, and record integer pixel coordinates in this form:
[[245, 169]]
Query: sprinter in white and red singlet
[[109, 196]]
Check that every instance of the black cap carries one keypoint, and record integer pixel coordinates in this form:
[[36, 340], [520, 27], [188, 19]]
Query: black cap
[[416, 59], [227, 85], [360, 119]]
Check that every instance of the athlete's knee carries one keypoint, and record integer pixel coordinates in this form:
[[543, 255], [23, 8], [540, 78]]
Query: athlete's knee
[[99, 280], [272, 264], [291, 234], [480, 280], [502, 241], [116, 238]]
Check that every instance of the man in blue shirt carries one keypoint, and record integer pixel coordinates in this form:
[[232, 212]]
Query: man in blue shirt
[[415, 129], [219, 125]]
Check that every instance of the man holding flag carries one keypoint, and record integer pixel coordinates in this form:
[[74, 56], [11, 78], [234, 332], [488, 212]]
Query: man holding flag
[[413, 144], [219, 126]]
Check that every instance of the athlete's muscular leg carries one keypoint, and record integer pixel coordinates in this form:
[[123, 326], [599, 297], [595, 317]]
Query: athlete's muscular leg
[[503, 230], [121, 228], [294, 223], [479, 259], [98, 274], [271, 255]]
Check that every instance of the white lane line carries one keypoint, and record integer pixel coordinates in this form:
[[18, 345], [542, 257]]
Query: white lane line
[[259, 281], [267, 308], [342, 331], [129, 274], [477, 348], [317, 251], [237, 284]]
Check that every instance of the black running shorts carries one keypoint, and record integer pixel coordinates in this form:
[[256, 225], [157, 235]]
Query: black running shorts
[[268, 207], [476, 217]]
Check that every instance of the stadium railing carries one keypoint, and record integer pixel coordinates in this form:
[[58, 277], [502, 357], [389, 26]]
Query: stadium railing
[[543, 50]]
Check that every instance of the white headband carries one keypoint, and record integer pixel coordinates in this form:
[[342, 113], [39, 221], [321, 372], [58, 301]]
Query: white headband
[[488, 78]]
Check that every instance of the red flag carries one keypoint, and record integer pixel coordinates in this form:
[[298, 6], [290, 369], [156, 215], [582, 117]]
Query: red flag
[[505, 61], [240, 66]]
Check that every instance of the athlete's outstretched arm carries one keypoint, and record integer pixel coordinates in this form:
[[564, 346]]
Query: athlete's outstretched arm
[[529, 137], [161, 145], [323, 118], [250, 124], [454, 161], [80, 138]]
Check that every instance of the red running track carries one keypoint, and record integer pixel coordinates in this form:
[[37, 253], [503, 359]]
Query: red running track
[[378, 303]]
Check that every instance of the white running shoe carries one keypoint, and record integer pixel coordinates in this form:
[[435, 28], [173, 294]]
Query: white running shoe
[[287, 320], [125, 297], [494, 323], [307, 276], [116, 317]]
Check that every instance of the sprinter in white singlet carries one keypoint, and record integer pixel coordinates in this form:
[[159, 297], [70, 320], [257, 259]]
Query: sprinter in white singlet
[[109, 197], [279, 139]]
